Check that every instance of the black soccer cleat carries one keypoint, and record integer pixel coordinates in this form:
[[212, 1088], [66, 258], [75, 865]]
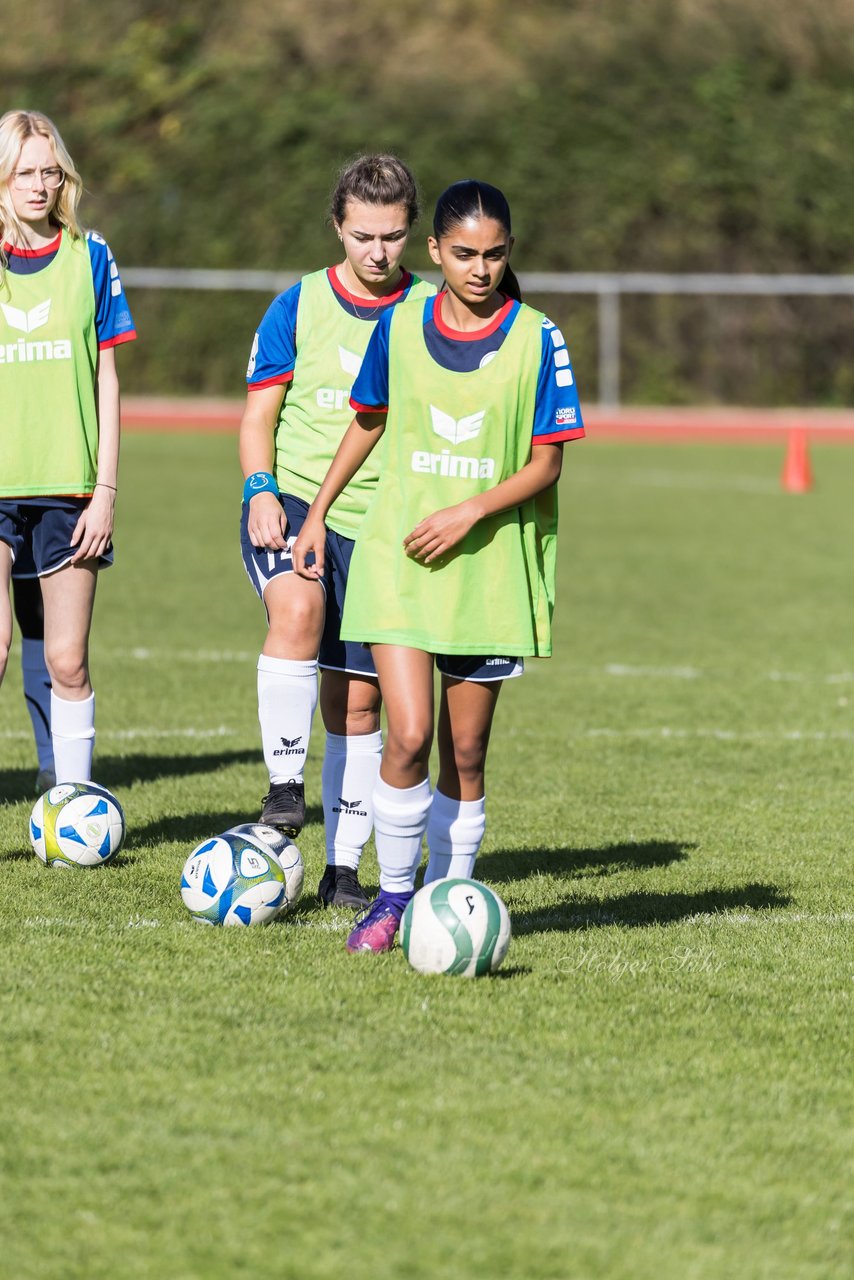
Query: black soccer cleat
[[326, 888], [339, 887], [284, 807]]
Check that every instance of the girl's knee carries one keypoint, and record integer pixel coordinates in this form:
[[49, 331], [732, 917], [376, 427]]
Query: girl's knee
[[470, 757], [362, 720], [408, 745], [67, 668], [299, 623]]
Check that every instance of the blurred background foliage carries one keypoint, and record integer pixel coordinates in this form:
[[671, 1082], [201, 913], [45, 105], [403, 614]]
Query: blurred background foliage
[[675, 135]]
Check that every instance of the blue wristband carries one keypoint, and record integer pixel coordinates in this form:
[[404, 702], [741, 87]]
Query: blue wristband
[[259, 482]]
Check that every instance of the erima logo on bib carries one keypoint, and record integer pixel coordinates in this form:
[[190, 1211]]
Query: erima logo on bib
[[22, 352], [457, 430], [26, 321], [350, 362], [332, 397]]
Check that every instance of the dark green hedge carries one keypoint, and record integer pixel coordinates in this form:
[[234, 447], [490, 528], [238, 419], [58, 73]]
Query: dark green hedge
[[654, 134]]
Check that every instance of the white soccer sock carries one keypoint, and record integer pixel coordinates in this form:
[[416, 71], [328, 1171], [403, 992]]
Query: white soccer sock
[[454, 836], [73, 730], [287, 696], [351, 766], [400, 818]]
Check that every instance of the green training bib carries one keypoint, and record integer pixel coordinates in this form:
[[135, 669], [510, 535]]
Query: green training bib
[[316, 411], [450, 436], [48, 364]]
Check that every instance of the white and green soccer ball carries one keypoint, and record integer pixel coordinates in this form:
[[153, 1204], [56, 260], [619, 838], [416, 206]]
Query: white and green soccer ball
[[274, 841], [77, 824], [455, 926], [233, 881]]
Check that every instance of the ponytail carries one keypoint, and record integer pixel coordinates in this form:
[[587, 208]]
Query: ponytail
[[510, 285], [473, 199]]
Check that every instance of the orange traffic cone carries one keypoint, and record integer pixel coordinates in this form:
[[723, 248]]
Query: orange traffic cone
[[797, 472]]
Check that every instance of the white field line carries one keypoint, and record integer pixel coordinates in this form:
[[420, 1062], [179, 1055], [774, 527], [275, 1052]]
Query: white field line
[[142, 654], [335, 924], [131, 735], [731, 919], [665, 733], [642, 673], [697, 673], [625, 670], [795, 917], [662, 732]]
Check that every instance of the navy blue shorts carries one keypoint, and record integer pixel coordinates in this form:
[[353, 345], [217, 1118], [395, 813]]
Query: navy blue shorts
[[479, 670], [24, 565], [263, 565], [39, 530]]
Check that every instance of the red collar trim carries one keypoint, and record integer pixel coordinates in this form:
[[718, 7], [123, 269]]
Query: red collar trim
[[459, 336], [34, 253], [356, 301]]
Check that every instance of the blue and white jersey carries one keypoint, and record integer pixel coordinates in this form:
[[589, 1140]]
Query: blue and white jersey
[[113, 320], [274, 350], [557, 414]]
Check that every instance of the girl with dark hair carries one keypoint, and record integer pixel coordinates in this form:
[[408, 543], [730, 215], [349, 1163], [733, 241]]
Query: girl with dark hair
[[307, 351], [473, 396], [62, 314]]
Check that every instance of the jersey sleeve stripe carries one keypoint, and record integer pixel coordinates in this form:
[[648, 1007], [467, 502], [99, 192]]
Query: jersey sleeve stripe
[[367, 408], [128, 336], [577, 433], [270, 382]]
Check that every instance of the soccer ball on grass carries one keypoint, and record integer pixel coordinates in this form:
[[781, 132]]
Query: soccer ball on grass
[[455, 926], [233, 881], [77, 824], [271, 840]]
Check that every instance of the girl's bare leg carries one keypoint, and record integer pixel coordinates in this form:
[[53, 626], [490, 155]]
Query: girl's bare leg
[[458, 813]]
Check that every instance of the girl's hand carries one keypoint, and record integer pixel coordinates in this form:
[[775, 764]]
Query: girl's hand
[[440, 532], [311, 541], [94, 528], [267, 524]]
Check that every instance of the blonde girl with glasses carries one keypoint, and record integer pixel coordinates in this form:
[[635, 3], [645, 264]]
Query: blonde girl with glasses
[[62, 314]]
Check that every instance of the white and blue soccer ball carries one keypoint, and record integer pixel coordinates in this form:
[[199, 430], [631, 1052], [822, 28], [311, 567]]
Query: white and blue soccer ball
[[455, 926], [274, 841], [233, 881], [77, 824]]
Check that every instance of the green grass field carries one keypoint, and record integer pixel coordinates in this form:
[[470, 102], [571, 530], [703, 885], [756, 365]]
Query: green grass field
[[658, 1082]]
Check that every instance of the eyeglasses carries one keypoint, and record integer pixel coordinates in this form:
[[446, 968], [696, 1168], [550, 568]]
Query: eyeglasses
[[53, 177]]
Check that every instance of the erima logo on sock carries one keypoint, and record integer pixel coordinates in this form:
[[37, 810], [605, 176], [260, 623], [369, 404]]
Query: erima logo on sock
[[289, 747], [457, 430], [350, 807]]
